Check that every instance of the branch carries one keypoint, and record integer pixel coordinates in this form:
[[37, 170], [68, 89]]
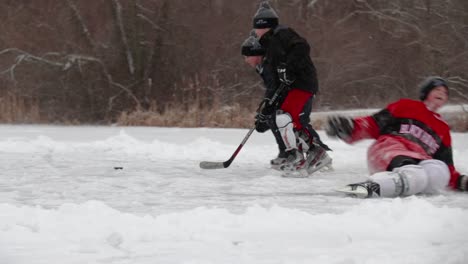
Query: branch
[[68, 61], [384, 17], [25, 56], [80, 20], [461, 82], [72, 58], [118, 11], [153, 25]]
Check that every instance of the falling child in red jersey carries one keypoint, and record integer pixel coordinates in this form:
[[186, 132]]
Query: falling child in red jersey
[[412, 153]]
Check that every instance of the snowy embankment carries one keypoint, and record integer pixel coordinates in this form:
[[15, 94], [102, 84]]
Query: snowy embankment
[[62, 201]]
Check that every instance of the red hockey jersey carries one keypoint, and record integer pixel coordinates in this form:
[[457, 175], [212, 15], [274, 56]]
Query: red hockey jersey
[[405, 127]]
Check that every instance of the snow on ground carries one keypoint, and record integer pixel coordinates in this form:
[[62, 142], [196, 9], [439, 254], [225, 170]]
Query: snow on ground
[[62, 201]]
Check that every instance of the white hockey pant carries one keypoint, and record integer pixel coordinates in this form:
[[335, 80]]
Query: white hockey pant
[[428, 177], [285, 127]]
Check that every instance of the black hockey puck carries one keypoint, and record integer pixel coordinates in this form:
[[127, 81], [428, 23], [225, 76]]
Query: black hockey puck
[[118, 168]]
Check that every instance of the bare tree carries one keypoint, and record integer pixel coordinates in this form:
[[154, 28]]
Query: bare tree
[[91, 60]]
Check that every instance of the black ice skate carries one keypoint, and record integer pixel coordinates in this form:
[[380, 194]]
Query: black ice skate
[[365, 189]]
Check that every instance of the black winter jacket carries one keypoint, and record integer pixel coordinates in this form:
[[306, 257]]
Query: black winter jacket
[[284, 45]]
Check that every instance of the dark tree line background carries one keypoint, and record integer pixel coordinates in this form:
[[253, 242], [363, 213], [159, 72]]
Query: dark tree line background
[[89, 61]]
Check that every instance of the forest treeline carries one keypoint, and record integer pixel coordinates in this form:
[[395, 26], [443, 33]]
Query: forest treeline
[[178, 62]]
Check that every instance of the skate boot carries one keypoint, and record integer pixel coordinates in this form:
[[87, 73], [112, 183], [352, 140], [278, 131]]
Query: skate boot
[[294, 164], [365, 189], [279, 160], [318, 159]]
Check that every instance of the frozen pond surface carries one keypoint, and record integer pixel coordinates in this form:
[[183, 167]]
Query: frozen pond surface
[[62, 201]]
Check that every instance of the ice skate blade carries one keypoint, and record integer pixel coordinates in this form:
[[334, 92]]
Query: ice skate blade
[[323, 165], [357, 192], [295, 174], [277, 167], [293, 171]]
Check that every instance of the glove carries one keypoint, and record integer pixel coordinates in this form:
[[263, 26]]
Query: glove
[[263, 119], [284, 75], [261, 127], [261, 123], [260, 117], [339, 126], [462, 183]]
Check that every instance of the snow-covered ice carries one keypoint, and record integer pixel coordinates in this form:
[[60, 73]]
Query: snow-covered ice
[[62, 202]]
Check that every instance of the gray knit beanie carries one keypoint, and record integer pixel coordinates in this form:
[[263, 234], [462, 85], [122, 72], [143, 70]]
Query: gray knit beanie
[[265, 17], [251, 46]]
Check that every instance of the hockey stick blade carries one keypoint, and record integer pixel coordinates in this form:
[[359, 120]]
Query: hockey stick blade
[[211, 165], [220, 165]]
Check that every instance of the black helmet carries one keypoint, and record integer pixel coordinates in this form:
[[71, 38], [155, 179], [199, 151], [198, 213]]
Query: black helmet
[[430, 83]]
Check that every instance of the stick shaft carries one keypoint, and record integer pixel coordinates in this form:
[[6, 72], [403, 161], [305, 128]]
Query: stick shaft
[[227, 163]]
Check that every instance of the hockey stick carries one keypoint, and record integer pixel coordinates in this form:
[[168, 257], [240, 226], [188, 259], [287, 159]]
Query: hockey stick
[[224, 164]]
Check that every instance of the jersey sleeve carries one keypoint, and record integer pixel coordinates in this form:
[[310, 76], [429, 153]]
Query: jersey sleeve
[[369, 126]]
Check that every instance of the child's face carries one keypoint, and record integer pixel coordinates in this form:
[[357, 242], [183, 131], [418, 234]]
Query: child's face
[[437, 97], [253, 61]]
